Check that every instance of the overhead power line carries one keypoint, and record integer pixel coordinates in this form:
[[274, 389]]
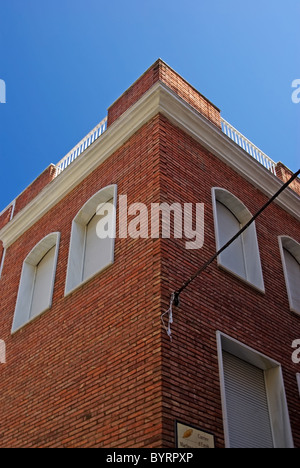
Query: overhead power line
[[175, 295]]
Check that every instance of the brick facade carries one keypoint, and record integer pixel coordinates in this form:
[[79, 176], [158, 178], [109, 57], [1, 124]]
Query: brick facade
[[72, 386], [284, 173], [217, 300], [97, 369]]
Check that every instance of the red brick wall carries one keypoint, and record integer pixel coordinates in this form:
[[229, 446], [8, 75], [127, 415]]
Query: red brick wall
[[35, 188], [97, 369], [160, 71], [217, 300], [5, 217], [88, 371]]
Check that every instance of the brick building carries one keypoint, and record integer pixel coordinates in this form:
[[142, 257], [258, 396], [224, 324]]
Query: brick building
[[88, 362]]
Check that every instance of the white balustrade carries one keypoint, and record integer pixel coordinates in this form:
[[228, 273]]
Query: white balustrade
[[82, 146], [94, 134], [227, 128], [248, 146]]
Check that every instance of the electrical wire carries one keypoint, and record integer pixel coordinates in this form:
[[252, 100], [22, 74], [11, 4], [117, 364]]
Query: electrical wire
[[175, 295]]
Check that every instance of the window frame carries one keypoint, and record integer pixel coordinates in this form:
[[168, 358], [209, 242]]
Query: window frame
[[2, 262], [243, 215], [293, 247], [75, 268], [22, 314], [275, 389]]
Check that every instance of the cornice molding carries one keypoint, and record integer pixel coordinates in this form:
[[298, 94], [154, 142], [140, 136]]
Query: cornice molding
[[213, 139], [158, 99]]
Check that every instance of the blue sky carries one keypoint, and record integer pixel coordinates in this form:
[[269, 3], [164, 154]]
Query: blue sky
[[64, 63]]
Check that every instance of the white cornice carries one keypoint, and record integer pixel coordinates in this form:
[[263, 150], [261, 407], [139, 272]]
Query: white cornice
[[213, 139], [159, 99]]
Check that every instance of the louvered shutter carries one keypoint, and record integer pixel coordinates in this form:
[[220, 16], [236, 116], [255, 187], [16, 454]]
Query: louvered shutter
[[293, 278], [42, 288], [233, 256], [97, 251], [247, 406]]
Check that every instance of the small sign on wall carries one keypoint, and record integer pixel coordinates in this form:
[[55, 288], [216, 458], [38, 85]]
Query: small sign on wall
[[188, 436]]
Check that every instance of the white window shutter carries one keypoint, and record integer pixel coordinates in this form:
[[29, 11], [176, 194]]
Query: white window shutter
[[37, 281], [293, 279], [22, 311], [247, 404], [42, 289], [97, 251], [91, 250], [228, 225]]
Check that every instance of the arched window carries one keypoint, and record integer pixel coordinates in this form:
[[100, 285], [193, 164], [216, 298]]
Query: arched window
[[290, 255], [92, 238], [242, 256], [37, 281]]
